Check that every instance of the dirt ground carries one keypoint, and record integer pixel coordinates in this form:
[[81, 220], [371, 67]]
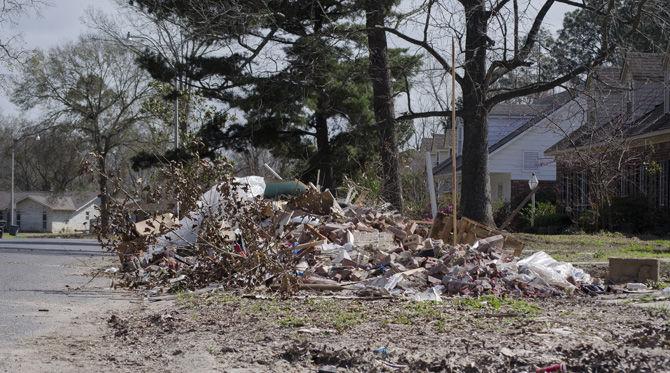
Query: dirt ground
[[225, 332]]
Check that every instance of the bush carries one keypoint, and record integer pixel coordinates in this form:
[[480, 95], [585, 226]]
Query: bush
[[632, 214], [588, 221], [547, 219], [501, 210]]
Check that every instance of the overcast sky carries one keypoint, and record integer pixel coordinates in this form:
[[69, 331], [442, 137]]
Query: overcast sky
[[62, 21], [57, 23]]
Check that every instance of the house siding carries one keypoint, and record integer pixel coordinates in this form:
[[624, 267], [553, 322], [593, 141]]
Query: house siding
[[31, 216], [510, 157], [58, 221], [78, 220]]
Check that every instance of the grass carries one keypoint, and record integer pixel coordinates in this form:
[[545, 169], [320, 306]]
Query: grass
[[597, 247], [291, 321], [420, 312], [498, 304]]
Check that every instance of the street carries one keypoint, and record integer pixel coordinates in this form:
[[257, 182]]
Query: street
[[45, 283]]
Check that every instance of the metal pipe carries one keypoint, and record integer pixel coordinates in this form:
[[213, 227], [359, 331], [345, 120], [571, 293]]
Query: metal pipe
[[176, 131], [12, 219], [454, 180], [176, 115]]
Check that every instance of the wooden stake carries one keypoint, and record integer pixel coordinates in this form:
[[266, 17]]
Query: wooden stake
[[453, 140]]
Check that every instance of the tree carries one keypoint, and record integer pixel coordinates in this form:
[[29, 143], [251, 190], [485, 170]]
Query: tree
[[496, 39], [51, 163], [380, 74], [10, 11], [92, 88], [581, 35], [319, 85]]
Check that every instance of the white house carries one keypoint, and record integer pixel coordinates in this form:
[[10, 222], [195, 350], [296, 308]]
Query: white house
[[518, 136], [49, 212]]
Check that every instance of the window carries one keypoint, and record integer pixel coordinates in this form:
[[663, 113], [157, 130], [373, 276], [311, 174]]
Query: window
[[18, 218], [531, 161], [88, 215], [44, 220], [565, 190], [583, 189], [663, 184], [459, 138], [623, 184], [500, 191]]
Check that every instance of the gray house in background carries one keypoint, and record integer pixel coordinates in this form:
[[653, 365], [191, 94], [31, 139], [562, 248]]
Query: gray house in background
[[49, 212]]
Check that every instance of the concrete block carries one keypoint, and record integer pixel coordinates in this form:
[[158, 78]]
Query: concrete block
[[623, 270]]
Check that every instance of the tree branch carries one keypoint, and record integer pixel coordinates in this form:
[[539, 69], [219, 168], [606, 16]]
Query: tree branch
[[426, 114], [424, 44]]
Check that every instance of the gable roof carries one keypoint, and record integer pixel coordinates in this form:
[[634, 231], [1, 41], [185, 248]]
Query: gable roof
[[436, 142], [646, 74], [71, 201], [644, 66], [540, 109]]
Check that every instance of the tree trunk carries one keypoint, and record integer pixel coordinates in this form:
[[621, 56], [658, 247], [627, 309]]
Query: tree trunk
[[475, 186], [102, 186], [324, 154], [380, 74]]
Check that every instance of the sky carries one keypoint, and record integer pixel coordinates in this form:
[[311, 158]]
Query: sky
[[63, 20], [59, 22]]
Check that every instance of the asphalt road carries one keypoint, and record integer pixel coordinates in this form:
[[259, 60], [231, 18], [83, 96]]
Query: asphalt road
[[45, 283]]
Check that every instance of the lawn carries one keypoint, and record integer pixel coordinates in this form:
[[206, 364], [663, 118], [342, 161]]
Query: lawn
[[597, 247], [24, 235]]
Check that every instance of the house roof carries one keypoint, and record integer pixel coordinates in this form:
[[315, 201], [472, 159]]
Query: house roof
[[530, 115], [645, 66], [70, 201], [437, 142], [608, 102]]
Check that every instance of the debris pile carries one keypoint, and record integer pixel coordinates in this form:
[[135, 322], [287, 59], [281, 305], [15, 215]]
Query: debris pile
[[309, 240]]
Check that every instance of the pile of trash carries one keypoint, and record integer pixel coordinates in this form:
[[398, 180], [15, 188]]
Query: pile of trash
[[288, 236]]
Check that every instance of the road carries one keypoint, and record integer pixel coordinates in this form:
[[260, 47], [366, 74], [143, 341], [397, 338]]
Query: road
[[45, 283]]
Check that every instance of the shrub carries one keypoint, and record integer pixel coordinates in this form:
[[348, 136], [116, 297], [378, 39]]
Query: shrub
[[632, 214], [547, 219], [588, 221]]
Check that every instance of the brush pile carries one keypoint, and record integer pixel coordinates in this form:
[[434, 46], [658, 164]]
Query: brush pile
[[237, 237]]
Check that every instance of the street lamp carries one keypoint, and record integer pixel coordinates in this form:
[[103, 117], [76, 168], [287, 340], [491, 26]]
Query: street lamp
[[533, 183], [12, 214]]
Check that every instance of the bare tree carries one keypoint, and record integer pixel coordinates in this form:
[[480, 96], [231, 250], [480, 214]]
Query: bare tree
[[10, 11], [497, 38], [92, 87], [52, 162]]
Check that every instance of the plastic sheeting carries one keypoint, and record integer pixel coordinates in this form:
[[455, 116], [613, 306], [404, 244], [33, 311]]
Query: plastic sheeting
[[546, 269]]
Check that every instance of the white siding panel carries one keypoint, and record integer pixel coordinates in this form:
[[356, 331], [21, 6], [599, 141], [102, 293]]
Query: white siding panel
[[78, 220]]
